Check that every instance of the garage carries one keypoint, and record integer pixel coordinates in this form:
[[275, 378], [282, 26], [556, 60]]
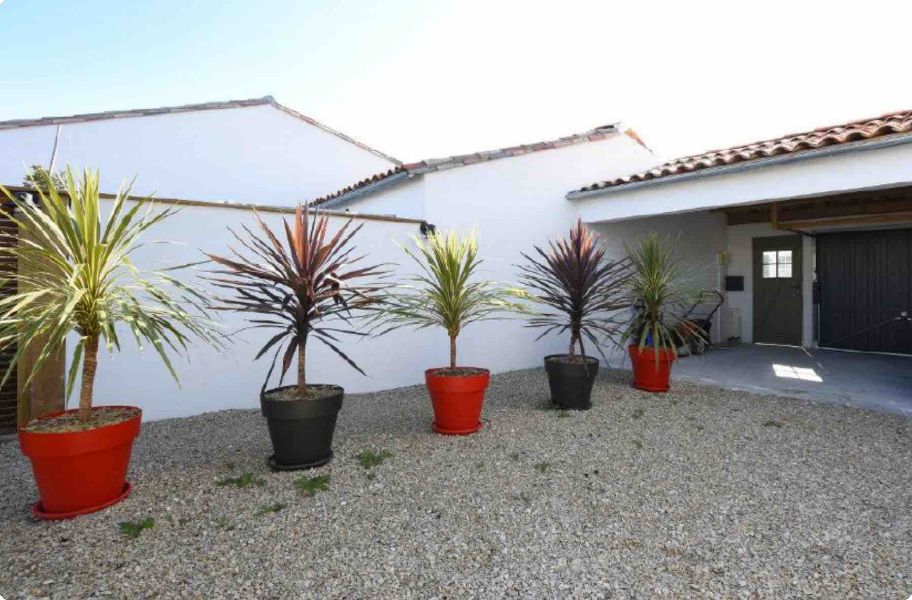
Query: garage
[[865, 290]]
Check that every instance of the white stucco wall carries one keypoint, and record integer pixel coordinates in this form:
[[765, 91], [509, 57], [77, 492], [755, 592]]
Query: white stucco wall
[[515, 203], [405, 199], [256, 154], [215, 381], [847, 171]]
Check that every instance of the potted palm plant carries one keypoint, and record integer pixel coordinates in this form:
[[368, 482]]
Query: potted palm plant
[[75, 275], [443, 294], [659, 290], [582, 291], [301, 284]]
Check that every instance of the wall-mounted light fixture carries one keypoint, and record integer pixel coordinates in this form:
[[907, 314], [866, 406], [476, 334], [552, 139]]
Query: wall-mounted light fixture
[[428, 229]]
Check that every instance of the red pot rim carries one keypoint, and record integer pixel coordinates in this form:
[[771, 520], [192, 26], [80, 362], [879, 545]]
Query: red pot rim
[[433, 372], [69, 443]]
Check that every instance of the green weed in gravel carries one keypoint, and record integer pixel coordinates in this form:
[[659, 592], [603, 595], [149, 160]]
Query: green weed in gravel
[[370, 459], [311, 486], [132, 529], [270, 508], [542, 467]]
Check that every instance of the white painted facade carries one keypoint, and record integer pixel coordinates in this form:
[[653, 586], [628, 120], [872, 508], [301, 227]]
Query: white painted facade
[[213, 380], [259, 154], [686, 205], [513, 203]]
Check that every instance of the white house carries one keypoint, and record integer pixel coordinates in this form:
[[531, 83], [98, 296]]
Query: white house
[[244, 150], [515, 199], [810, 234]]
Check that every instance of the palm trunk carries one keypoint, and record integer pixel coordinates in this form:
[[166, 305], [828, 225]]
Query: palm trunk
[[302, 375], [89, 364], [452, 351]]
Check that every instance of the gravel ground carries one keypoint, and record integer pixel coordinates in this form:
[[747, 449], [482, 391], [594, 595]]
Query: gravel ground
[[700, 492]]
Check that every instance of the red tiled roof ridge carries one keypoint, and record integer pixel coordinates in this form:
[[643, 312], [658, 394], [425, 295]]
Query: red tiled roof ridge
[[165, 110], [899, 122], [463, 160]]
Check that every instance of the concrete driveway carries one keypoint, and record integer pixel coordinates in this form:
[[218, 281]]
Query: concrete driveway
[[872, 381]]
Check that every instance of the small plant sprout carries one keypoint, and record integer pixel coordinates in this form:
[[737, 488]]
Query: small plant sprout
[[132, 529], [542, 467], [311, 486], [370, 459], [270, 508]]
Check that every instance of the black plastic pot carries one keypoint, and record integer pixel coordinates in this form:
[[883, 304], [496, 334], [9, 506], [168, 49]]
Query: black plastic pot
[[571, 382], [301, 430]]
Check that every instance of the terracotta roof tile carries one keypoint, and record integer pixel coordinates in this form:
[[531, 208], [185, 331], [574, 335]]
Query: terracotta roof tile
[[889, 124], [462, 160], [164, 110]]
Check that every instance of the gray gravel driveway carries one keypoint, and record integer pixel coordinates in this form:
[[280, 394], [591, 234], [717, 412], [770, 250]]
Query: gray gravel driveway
[[700, 492]]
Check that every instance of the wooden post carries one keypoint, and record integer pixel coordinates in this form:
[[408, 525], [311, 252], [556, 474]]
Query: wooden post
[[45, 393]]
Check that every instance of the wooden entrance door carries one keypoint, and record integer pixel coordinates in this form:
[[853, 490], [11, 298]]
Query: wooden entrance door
[[777, 290]]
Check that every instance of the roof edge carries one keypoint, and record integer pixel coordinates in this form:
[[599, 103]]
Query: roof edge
[[856, 146], [184, 108], [394, 176], [292, 112]]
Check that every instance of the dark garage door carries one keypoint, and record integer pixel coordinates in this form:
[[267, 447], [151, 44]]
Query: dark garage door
[[865, 285]]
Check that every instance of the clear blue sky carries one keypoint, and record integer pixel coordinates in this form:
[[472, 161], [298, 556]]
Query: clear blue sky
[[419, 79]]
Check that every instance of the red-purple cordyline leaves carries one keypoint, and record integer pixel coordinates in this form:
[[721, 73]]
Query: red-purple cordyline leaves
[[581, 288], [305, 285]]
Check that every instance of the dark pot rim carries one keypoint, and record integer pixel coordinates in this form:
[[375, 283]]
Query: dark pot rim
[[338, 389], [590, 360]]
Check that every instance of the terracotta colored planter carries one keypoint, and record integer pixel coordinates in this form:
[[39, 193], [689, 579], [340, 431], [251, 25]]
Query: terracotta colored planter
[[647, 375], [457, 400], [80, 472]]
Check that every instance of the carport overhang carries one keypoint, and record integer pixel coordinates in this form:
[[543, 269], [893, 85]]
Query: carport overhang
[[852, 187], [881, 163]]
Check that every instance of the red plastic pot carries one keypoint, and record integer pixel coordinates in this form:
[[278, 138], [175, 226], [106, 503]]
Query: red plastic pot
[[80, 472], [457, 400], [647, 375]]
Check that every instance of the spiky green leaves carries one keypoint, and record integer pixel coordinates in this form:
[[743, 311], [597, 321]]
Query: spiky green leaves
[[444, 293], [661, 287], [301, 283], [75, 274], [581, 289]]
